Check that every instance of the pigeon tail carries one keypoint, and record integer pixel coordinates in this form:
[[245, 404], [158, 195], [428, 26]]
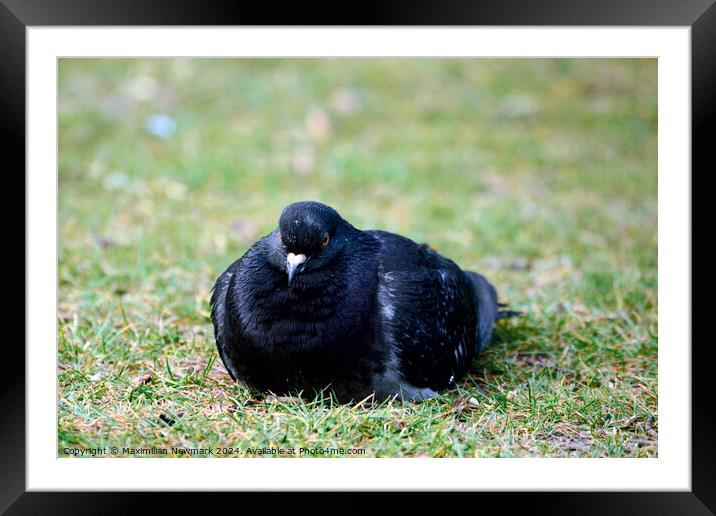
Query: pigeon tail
[[488, 309], [505, 314]]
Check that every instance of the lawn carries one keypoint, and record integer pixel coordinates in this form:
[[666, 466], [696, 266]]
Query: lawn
[[541, 174]]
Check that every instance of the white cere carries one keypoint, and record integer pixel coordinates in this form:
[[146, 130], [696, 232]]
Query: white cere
[[295, 259]]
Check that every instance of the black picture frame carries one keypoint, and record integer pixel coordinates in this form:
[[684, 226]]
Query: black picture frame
[[17, 15]]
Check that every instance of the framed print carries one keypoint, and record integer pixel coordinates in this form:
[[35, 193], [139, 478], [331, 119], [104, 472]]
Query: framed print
[[420, 250]]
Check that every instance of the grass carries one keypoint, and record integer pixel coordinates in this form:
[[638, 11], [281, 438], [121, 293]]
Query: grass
[[541, 174]]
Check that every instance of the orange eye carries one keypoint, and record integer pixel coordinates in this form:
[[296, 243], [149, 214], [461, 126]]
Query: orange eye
[[326, 239]]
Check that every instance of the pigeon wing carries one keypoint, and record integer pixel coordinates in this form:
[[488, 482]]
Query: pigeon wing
[[224, 331], [428, 310]]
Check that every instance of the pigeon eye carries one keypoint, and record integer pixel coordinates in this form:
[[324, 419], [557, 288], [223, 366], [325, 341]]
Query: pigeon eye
[[280, 238], [326, 239]]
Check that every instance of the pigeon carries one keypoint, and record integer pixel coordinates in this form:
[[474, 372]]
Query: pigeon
[[318, 304]]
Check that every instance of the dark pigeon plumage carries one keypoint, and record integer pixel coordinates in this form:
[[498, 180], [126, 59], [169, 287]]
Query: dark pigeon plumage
[[318, 302]]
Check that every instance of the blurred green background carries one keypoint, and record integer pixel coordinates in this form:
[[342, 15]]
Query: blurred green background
[[539, 173]]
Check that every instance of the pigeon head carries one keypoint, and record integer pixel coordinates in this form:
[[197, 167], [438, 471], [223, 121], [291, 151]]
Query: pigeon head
[[307, 236]]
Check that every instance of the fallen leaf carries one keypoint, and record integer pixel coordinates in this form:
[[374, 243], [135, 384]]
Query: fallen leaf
[[143, 380]]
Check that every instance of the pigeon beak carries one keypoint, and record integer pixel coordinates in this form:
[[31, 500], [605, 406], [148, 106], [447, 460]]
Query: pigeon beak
[[294, 265]]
